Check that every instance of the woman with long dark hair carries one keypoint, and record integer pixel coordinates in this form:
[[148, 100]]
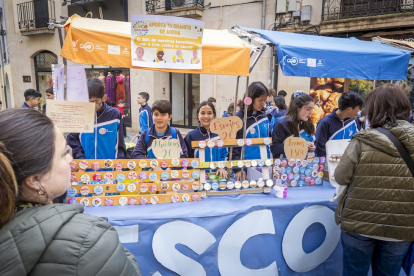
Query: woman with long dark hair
[[38, 237], [376, 210], [296, 123]]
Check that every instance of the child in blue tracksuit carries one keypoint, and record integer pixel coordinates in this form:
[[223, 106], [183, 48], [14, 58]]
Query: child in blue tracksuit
[[257, 123], [107, 139], [297, 123], [279, 112], [206, 113], [162, 114], [145, 112], [340, 124]]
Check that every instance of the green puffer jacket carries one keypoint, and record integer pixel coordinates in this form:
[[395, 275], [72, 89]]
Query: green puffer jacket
[[58, 239], [379, 198]]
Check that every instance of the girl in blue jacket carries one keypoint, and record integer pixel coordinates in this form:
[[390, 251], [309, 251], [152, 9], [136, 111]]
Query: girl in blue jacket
[[296, 123], [205, 114], [257, 123]]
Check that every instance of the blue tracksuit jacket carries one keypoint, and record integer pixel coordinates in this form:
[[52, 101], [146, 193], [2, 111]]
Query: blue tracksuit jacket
[[143, 149], [257, 126], [201, 134], [225, 114], [145, 118], [276, 116], [281, 132], [332, 128], [107, 140]]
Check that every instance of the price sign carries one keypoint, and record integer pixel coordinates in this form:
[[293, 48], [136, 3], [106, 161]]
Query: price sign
[[296, 148], [227, 127], [166, 149]]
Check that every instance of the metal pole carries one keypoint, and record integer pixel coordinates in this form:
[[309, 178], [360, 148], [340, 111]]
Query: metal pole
[[374, 85], [65, 66], [245, 118]]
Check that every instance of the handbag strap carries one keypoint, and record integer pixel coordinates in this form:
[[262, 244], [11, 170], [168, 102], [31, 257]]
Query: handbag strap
[[401, 149]]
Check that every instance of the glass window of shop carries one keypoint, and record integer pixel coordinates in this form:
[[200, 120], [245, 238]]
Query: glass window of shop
[[117, 86], [184, 92], [43, 70]]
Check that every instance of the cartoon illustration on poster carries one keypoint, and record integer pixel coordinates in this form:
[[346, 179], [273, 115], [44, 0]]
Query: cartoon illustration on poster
[[166, 42], [325, 92]]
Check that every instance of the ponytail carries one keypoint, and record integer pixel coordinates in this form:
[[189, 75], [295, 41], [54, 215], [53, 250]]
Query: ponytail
[[8, 187]]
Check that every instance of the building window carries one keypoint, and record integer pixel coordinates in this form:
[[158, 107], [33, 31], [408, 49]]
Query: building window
[[43, 69]]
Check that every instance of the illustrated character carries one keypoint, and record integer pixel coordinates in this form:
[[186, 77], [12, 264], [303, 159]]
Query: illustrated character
[[195, 59], [178, 57], [140, 53], [160, 55]]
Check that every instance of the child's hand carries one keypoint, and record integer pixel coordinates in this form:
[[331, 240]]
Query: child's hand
[[311, 147], [241, 175], [222, 173]]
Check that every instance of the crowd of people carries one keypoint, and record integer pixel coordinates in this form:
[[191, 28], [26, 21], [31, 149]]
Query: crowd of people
[[376, 211]]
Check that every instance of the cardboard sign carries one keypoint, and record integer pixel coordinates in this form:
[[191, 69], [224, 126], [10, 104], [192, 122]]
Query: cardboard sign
[[296, 148], [166, 149], [77, 117], [227, 127]]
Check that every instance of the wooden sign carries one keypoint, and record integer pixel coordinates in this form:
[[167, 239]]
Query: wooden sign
[[166, 148], [296, 148], [227, 127]]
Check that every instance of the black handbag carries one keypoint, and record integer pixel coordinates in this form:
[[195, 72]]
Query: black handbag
[[401, 149]]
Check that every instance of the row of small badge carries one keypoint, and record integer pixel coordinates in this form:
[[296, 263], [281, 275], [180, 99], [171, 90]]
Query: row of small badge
[[120, 164], [239, 142], [97, 177], [110, 189], [134, 199], [229, 185]]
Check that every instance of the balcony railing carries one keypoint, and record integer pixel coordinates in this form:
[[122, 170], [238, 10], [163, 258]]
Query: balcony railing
[[342, 9], [153, 6], [35, 14]]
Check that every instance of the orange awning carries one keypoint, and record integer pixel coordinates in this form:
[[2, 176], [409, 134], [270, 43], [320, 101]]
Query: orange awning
[[88, 41]]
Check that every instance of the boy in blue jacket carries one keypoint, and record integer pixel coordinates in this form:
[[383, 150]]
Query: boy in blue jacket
[[162, 114], [340, 124], [107, 139], [145, 113]]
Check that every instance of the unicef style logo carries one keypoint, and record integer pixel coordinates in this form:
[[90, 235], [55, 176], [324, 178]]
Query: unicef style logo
[[140, 28], [294, 61], [89, 47]]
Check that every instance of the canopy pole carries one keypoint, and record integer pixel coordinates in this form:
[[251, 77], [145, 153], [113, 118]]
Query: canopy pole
[[65, 64], [256, 59], [234, 114], [374, 85]]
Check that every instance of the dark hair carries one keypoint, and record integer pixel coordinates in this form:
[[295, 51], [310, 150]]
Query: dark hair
[[31, 93], [293, 119], [210, 104], [212, 100], [96, 88], [163, 106], [255, 90], [280, 102], [387, 104], [121, 102], [1, 102], [282, 93], [145, 95], [49, 90], [230, 109], [350, 99], [22, 155]]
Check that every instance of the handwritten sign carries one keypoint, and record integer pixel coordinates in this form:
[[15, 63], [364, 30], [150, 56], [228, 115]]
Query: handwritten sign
[[227, 127], [167, 149], [77, 117], [296, 148]]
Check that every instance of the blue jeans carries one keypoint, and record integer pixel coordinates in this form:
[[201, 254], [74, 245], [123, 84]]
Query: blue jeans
[[360, 252]]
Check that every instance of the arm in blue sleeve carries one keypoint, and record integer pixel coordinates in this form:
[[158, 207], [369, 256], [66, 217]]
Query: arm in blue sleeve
[[184, 152], [237, 150], [77, 149], [190, 150], [143, 120], [278, 137], [121, 141], [140, 150], [150, 120], [321, 139], [223, 154]]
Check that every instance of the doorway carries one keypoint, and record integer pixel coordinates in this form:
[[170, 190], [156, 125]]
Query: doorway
[[43, 69], [185, 99]]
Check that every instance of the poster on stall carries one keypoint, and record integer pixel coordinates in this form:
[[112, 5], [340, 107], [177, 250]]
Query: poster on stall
[[76, 117], [166, 42], [76, 87]]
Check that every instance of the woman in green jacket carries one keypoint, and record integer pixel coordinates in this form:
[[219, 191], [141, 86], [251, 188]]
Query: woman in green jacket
[[376, 210], [38, 237]]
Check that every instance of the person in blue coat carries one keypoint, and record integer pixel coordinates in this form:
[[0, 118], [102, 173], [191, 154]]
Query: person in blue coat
[[205, 114], [107, 139], [257, 123], [340, 124], [145, 112], [296, 123], [162, 115], [279, 112]]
